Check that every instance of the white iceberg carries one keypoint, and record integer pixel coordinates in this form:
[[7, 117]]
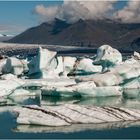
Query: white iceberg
[[68, 64], [8, 76], [83, 89], [49, 65], [115, 76], [107, 53], [7, 87], [101, 80], [132, 84], [86, 66], [2, 64], [59, 74], [14, 66], [41, 61], [68, 114], [23, 92]]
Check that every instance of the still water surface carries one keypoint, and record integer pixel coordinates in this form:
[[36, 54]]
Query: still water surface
[[10, 129]]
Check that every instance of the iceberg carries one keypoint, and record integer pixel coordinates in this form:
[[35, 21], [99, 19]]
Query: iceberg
[[108, 57], [136, 56], [115, 76], [7, 87], [2, 64], [71, 76], [11, 84], [82, 89], [103, 79], [68, 114], [8, 76], [86, 66], [68, 64], [107, 53], [14, 66], [60, 66], [132, 84], [22, 92], [41, 61]]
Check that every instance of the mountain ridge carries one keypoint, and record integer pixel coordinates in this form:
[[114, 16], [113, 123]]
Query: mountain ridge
[[91, 33]]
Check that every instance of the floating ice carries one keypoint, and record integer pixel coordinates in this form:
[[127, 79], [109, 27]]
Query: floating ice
[[14, 66], [41, 61], [82, 89], [86, 66], [8, 76], [7, 87], [58, 74], [107, 53], [107, 57], [68, 114]]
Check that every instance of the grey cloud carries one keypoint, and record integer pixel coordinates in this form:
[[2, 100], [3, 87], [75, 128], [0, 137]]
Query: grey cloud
[[130, 13], [75, 10]]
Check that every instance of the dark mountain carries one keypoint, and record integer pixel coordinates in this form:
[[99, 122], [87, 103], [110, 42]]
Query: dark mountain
[[136, 44], [89, 33]]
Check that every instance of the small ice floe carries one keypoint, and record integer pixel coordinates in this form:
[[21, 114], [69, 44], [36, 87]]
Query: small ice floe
[[68, 114], [82, 89], [7, 87], [14, 66]]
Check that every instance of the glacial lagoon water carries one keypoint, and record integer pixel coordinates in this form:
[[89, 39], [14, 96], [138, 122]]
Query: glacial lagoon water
[[10, 129]]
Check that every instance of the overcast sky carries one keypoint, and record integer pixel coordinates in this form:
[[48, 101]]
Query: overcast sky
[[16, 16]]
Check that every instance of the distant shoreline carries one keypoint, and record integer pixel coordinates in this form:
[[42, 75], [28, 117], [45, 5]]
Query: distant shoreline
[[11, 49]]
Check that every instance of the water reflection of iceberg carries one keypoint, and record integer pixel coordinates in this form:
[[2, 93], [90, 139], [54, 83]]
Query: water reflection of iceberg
[[132, 93], [128, 101], [74, 128], [130, 98], [101, 101], [25, 100], [58, 100], [28, 100]]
